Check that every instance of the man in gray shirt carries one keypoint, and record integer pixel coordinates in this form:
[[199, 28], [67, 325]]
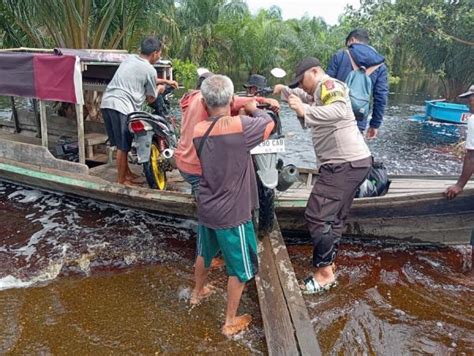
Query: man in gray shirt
[[135, 80], [227, 194]]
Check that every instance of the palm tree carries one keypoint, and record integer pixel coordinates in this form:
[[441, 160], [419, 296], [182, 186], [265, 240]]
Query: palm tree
[[84, 23], [202, 26]]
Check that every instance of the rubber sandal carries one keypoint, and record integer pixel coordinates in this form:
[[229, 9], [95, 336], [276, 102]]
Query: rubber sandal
[[311, 286]]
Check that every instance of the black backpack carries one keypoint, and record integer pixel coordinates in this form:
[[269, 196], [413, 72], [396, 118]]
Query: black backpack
[[376, 184]]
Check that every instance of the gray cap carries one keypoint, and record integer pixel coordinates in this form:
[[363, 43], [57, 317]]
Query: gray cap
[[468, 93]]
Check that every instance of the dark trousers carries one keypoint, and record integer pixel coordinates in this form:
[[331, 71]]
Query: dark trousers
[[329, 204]]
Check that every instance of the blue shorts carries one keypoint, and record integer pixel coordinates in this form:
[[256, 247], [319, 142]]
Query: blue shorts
[[117, 129]]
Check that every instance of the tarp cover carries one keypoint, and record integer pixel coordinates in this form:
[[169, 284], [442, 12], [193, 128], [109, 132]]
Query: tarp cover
[[41, 76], [91, 55]]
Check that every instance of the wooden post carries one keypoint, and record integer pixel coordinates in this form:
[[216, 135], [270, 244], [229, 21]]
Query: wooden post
[[15, 115], [37, 118], [80, 133], [44, 124]]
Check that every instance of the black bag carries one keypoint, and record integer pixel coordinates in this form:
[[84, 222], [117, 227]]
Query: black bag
[[376, 184]]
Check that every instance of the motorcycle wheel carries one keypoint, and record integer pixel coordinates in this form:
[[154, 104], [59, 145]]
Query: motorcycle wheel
[[154, 173], [266, 212]]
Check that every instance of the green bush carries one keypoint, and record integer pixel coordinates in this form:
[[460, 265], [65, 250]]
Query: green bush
[[185, 73]]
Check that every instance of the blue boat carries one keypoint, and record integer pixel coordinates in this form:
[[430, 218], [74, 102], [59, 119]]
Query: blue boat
[[446, 112]]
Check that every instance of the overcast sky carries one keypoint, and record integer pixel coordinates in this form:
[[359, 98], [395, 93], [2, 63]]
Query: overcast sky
[[329, 10]]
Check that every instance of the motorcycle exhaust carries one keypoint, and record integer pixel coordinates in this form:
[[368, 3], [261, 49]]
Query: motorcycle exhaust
[[167, 153], [287, 176]]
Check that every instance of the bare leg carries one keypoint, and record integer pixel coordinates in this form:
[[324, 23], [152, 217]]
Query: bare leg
[[324, 275], [200, 291], [233, 323], [122, 166]]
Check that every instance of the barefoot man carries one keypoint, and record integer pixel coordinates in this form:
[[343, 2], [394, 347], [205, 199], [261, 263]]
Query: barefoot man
[[134, 81], [227, 193]]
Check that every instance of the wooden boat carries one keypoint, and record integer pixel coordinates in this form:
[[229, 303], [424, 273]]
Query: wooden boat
[[414, 210], [438, 110]]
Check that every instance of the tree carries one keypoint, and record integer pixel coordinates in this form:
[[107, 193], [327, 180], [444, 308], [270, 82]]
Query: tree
[[435, 36], [83, 23]]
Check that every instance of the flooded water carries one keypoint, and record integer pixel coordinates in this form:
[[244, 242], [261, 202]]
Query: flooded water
[[104, 280], [79, 275], [394, 301]]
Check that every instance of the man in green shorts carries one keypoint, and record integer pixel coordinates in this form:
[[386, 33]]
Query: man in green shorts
[[227, 193]]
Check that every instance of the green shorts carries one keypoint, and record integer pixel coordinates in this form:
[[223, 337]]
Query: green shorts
[[238, 246]]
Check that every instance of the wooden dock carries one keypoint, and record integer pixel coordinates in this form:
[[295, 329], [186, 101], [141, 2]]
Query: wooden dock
[[288, 329]]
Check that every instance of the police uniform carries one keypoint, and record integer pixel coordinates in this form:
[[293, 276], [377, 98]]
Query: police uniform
[[344, 159]]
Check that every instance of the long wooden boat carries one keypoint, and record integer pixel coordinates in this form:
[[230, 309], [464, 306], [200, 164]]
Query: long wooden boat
[[414, 210]]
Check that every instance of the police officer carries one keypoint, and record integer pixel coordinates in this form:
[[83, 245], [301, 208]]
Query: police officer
[[323, 105]]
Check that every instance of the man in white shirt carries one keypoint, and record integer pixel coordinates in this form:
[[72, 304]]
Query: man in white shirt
[[468, 165]]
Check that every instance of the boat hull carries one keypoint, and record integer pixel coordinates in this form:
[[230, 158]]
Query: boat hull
[[415, 211], [446, 112], [419, 219]]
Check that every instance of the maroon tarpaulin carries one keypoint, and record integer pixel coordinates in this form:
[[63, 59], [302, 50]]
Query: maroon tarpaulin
[[41, 76]]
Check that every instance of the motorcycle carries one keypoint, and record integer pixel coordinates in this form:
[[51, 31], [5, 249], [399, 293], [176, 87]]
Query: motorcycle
[[154, 140], [271, 174]]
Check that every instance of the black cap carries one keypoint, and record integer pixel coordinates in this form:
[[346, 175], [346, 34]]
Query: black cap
[[256, 80], [302, 67]]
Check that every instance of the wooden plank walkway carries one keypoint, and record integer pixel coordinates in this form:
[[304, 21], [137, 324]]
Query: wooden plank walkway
[[288, 329]]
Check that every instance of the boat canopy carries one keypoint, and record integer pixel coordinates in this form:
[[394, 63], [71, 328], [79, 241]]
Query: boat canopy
[[44, 76], [54, 74]]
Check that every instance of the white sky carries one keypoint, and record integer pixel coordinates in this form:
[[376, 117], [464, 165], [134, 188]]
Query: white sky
[[329, 10]]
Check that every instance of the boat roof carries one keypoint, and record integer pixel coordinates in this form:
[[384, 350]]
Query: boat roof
[[87, 56]]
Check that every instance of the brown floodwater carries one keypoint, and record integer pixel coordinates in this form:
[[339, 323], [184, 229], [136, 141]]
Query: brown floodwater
[[79, 276]]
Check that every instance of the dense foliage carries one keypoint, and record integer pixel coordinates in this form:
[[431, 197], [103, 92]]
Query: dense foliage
[[418, 37]]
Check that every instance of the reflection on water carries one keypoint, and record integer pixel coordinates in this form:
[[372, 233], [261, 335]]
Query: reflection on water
[[104, 306], [405, 146], [394, 301], [106, 279], [129, 273]]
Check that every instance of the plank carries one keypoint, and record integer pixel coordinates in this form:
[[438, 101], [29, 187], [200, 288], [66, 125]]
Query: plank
[[307, 342], [277, 324]]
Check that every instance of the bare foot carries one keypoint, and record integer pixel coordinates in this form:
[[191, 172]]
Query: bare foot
[[217, 263], [240, 323], [197, 298], [131, 183], [133, 177]]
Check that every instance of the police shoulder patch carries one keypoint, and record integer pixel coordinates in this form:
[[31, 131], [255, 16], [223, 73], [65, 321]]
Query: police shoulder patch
[[331, 92]]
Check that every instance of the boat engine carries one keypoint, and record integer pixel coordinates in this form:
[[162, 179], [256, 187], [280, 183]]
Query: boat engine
[[67, 148]]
